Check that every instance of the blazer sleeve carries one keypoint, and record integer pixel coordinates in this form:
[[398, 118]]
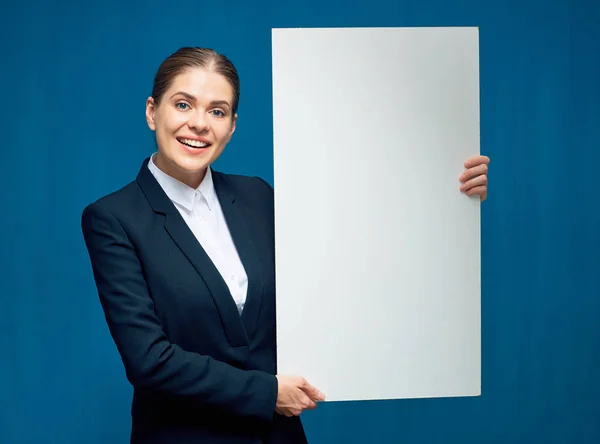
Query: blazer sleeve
[[150, 360]]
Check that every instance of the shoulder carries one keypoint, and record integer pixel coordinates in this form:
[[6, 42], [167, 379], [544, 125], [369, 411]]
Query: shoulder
[[239, 179], [119, 205], [122, 197], [243, 186]]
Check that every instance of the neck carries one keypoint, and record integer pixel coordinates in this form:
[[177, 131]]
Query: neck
[[192, 179]]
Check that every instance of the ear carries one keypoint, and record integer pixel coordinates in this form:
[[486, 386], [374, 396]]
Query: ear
[[150, 113], [233, 122]]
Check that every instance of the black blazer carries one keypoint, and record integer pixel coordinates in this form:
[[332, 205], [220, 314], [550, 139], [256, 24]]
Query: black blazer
[[201, 372]]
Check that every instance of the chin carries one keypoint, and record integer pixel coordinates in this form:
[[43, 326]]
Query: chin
[[191, 161], [188, 162], [192, 165]]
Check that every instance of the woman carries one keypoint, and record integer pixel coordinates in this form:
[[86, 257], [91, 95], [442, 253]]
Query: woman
[[183, 259]]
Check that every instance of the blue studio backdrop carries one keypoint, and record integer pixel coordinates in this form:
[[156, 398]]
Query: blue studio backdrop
[[74, 79]]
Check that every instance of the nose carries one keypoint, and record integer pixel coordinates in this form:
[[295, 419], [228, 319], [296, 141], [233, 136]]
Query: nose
[[198, 121]]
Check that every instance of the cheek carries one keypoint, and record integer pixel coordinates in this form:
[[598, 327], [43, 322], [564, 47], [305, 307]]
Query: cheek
[[171, 122], [224, 133]]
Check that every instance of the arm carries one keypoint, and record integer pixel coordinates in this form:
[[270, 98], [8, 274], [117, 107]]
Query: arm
[[150, 360]]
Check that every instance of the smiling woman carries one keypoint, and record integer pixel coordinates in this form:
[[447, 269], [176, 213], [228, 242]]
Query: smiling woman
[[193, 112], [183, 260]]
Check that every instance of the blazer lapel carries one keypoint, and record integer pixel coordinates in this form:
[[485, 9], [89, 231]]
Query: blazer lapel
[[242, 238], [191, 248]]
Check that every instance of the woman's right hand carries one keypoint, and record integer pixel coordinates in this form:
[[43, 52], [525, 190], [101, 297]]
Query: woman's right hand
[[295, 394]]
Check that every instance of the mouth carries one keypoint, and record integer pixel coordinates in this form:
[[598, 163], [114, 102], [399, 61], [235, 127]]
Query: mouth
[[193, 143]]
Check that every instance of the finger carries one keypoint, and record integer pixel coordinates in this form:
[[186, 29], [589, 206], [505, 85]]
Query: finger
[[284, 412], [480, 170], [481, 191], [311, 405], [477, 160], [310, 390], [313, 392], [476, 182], [306, 403]]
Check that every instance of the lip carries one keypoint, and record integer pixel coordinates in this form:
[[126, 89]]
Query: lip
[[198, 139], [192, 150]]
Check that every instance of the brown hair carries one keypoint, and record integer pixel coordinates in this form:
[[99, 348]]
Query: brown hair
[[193, 57]]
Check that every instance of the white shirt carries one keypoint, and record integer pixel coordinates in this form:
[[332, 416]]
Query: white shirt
[[202, 213]]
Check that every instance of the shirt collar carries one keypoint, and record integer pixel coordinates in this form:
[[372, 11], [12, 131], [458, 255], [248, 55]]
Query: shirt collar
[[181, 193]]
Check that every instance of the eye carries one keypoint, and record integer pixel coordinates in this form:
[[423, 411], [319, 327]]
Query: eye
[[182, 106], [218, 113]]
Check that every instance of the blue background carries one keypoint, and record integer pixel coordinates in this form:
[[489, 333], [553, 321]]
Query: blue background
[[74, 80]]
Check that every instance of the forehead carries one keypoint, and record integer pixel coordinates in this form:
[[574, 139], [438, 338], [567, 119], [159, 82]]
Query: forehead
[[202, 84]]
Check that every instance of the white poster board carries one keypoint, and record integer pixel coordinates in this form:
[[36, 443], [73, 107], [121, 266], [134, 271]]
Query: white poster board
[[377, 250]]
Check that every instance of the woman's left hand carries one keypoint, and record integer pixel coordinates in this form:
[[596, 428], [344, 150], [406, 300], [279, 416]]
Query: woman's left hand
[[474, 180]]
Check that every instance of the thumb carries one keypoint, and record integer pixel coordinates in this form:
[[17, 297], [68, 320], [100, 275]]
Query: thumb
[[313, 393]]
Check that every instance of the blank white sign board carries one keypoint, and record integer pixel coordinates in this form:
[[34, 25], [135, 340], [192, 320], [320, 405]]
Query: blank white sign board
[[377, 250]]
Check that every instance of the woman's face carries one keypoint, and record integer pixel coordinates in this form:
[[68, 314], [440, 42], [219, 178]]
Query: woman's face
[[193, 122]]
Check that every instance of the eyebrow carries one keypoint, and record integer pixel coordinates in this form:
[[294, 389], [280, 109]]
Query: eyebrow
[[191, 98]]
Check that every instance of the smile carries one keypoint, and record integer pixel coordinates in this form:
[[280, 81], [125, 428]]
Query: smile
[[193, 143]]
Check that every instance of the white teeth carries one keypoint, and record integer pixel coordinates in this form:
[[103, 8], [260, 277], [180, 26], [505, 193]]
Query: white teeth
[[193, 143]]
